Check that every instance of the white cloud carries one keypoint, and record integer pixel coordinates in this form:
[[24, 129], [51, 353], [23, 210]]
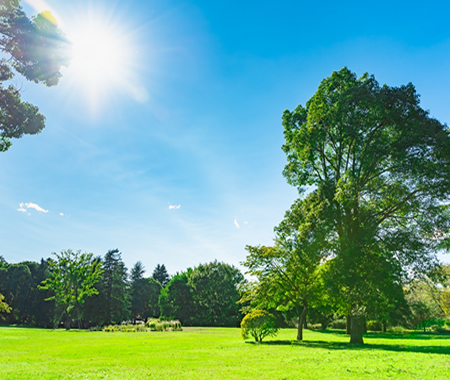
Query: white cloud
[[246, 223], [236, 224], [174, 207], [61, 214], [31, 205]]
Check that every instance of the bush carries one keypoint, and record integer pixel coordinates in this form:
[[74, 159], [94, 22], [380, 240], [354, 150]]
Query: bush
[[441, 329], [339, 324], [157, 325], [374, 326], [397, 329], [259, 324]]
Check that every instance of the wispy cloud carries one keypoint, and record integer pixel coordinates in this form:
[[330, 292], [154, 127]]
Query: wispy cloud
[[61, 214], [236, 224], [24, 206], [174, 207]]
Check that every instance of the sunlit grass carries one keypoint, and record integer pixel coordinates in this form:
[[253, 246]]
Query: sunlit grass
[[218, 353]]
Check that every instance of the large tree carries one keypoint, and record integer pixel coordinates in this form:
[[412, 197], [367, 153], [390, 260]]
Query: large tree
[[36, 49], [382, 165]]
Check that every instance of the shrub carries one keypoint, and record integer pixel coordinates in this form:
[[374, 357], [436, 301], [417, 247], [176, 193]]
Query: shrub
[[374, 326], [339, 324], [397, 329], [441, 329], [157, 325], [176, 325], [151, 323], [259, 324]]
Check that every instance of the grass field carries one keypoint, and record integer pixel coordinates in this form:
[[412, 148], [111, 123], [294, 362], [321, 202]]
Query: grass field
[[218, 353]]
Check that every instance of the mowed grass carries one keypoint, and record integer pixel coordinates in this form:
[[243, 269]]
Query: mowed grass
[[218, 353]]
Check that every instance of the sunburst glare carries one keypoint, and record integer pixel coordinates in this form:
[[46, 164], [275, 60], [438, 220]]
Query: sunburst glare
[[103, 60]]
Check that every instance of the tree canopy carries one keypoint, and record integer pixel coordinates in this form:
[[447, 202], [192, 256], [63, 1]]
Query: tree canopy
[[36, 49]]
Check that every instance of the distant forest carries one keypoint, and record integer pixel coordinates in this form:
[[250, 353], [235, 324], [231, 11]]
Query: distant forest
[[206, 295]]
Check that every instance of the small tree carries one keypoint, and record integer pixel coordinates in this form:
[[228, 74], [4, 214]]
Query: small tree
[[72, 279], [288, 274], [259, 324]]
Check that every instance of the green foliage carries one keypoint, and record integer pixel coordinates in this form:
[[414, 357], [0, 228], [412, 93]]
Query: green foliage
[[204, 296], [114, 289], [259, 324], [444, 329], [19, 286], [214, 288], [163, 325], [288, 274], [72, 279], [144, 294], [4, 307], [340, 324], [381, 168], [36, 49], [177, 301], [374, 326], [160, 274]]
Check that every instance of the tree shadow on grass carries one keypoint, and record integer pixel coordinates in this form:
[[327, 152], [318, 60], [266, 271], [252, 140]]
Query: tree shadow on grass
[[413, 335], [443, 350]]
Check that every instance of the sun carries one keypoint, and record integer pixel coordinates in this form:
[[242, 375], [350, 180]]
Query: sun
[[103, 60], [97, 56], [106, 49]]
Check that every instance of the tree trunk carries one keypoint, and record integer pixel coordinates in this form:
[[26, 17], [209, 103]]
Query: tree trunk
[[68, 321], [301, 319], [384, 326], [356, 333], [348, 326]]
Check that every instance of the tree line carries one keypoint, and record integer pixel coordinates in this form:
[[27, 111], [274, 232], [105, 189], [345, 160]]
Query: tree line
[[100, 291], [80, 290]]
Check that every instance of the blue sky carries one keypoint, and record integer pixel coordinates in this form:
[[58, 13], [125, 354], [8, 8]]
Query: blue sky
[[197, 123]]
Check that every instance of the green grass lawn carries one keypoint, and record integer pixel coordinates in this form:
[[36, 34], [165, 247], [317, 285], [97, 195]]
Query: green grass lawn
[[218, 353]]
